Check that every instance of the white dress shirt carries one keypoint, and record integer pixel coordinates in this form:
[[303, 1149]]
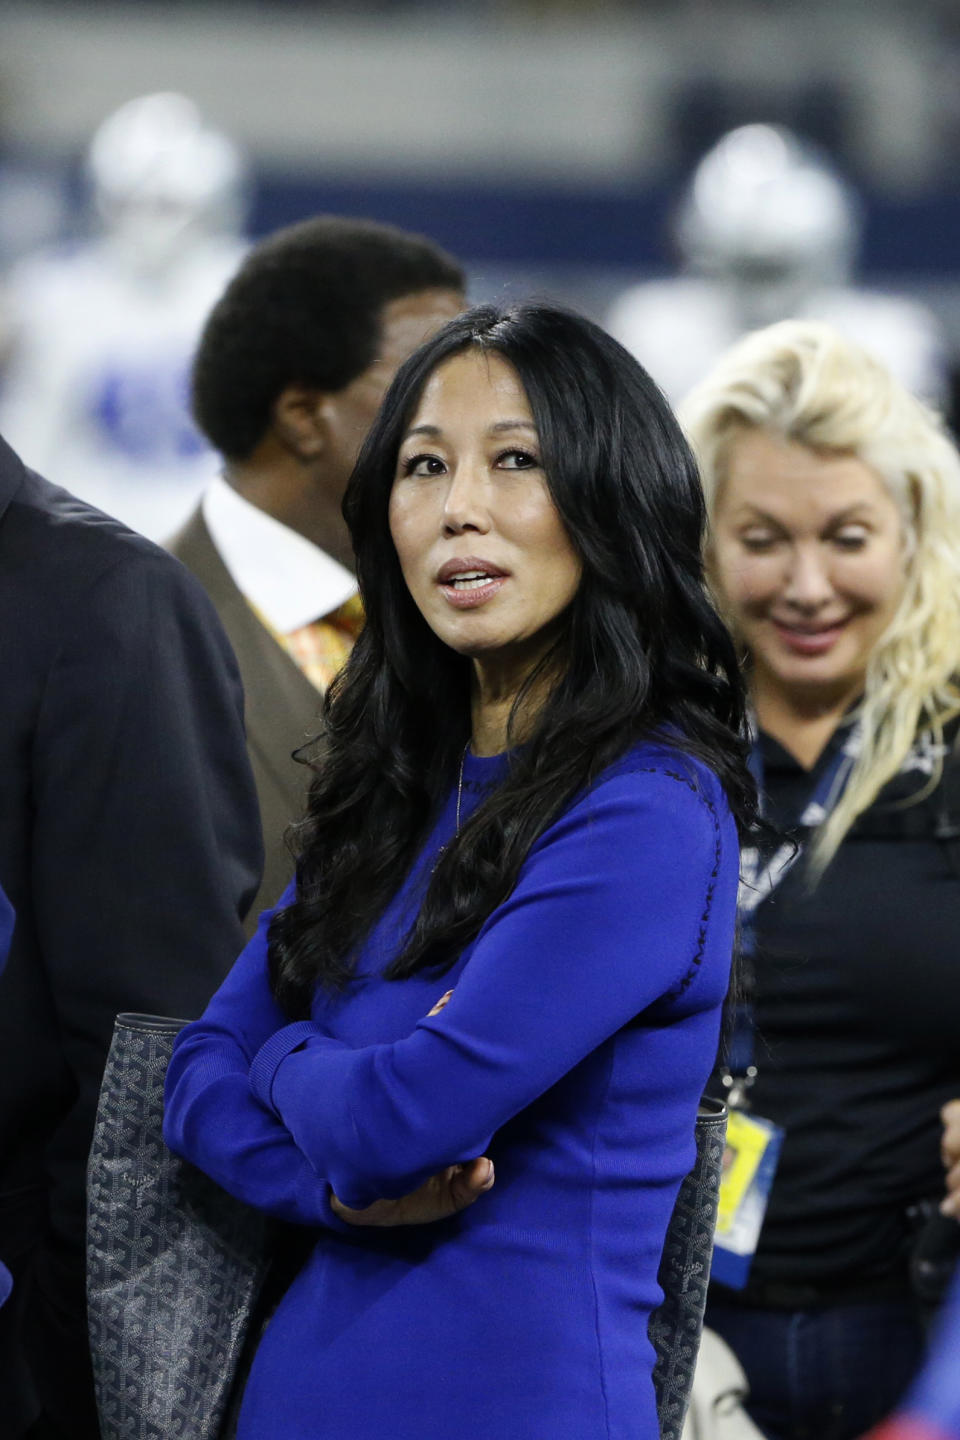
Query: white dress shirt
[[285, 577]]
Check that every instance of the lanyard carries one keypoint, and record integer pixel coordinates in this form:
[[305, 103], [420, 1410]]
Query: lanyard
[[758, 882]]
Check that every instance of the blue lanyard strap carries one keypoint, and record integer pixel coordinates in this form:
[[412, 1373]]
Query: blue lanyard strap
[[758, 882]]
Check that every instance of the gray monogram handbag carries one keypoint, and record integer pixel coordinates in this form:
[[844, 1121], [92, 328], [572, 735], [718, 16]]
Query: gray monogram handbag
[[676, 1325], [174, 1263]]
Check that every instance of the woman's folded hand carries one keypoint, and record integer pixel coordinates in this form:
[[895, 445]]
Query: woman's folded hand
[[442, 1195], [950, 1154]]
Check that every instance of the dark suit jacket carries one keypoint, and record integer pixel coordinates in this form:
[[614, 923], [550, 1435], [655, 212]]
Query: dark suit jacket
[[281, 705], [130, 850]]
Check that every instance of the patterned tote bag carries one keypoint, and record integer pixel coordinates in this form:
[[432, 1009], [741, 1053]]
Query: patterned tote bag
[[174, 1263]]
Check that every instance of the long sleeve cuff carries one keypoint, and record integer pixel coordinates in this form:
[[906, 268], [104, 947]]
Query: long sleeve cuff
[[271, 1055]]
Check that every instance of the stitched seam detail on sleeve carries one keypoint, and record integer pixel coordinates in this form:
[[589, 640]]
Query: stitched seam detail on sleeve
[[684, 984]]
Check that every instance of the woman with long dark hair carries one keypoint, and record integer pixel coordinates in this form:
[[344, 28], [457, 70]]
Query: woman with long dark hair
[[509, 937]]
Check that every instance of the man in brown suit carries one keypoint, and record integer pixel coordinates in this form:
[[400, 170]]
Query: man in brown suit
[[291, 368]]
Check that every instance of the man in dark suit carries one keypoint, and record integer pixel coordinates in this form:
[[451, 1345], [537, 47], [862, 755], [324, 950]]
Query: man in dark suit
[[129, 849], [6, 935], [289, 374]]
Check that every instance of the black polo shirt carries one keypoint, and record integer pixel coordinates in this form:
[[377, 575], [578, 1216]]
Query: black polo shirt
[[857, 1004]]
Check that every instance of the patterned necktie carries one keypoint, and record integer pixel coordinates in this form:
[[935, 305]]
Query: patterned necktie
[[321, 647]]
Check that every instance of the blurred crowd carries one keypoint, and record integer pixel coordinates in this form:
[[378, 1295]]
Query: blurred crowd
[[211, 394]]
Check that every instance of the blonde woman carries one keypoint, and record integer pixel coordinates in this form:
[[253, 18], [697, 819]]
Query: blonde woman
[[834, 550]]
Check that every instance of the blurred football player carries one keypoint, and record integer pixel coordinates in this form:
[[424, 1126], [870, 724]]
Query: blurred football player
[[96, 383], [767, 231]]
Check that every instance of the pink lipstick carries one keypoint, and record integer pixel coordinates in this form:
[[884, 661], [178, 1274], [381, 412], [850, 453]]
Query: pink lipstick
[[468, 581], [809, 642]]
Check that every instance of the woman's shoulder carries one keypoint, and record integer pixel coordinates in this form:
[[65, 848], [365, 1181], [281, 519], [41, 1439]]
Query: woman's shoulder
[[660, 764], [922, 800], [654, 829], [656, 790]]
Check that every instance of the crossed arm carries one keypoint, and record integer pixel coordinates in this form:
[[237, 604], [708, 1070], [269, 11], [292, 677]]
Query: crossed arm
[[604, 921]]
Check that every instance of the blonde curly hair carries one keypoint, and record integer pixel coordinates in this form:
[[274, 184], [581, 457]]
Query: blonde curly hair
[[804, 382]]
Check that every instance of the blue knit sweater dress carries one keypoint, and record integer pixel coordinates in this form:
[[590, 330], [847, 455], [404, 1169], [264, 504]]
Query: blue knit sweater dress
[[582, 1028]]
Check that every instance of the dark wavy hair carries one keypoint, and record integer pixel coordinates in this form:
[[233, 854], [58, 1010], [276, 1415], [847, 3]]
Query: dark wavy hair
[[640, 651], [305, 308]]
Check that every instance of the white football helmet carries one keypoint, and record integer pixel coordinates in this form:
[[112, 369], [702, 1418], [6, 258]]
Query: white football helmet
[[767, 213], [162, 178]]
